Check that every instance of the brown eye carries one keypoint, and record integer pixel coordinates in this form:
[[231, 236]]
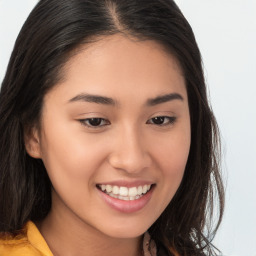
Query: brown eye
[[94, 122], [158, 120], [162, 120]]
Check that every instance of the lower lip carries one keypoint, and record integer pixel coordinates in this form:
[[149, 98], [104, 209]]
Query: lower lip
[[129, 206]]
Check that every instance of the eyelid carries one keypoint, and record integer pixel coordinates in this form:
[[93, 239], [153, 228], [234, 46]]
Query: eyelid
[[172, 120], [84, 120]]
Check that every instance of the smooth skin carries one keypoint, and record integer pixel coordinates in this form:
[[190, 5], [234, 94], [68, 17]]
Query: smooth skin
[[135, 138]]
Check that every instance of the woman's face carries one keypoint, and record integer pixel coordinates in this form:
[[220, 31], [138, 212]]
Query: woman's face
[[115, 136]]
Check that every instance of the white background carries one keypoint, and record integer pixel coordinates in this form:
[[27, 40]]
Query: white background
[[226, 34]]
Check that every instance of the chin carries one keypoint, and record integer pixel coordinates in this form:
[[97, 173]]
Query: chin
[[126, 230]]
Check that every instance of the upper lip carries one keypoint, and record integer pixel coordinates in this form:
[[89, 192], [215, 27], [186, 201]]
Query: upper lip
[[128, 184]]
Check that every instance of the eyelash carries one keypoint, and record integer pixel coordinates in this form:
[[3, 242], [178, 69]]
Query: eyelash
[[170, 120], [86, 122]]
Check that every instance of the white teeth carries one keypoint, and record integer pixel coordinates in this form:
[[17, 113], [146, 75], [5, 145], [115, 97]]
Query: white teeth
[[144, 189], [140, 190], [133, 191], [115, 190], [125, 193], [108, 188]]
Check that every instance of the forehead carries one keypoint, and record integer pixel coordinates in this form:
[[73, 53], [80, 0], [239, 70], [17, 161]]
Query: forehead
[[118, 64]]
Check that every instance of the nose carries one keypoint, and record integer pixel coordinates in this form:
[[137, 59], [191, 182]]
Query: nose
[[130, 152]]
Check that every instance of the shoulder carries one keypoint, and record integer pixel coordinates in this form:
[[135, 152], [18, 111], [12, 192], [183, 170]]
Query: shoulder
[[16, 246], [29, 243]]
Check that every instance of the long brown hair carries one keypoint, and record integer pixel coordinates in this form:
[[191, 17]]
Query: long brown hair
[[52, 31]]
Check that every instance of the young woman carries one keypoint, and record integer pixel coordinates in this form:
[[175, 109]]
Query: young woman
[[108, 145]]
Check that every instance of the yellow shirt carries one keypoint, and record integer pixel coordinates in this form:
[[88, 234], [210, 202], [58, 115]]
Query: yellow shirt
[[30, 244]]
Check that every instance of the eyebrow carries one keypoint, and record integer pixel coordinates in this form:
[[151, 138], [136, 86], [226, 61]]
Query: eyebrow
[[94, 99], [98, 99], [164, 98]]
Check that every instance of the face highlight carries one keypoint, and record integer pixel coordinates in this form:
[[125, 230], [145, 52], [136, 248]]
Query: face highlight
[[115, 136]]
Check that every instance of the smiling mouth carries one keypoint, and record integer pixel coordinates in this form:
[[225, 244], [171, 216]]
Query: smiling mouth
[[125, 193]]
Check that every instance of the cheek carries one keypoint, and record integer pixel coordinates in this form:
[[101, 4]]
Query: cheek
[[72, 164], [172, 150], [175, 157], [173, 167], [71, 158], [171, 156]]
